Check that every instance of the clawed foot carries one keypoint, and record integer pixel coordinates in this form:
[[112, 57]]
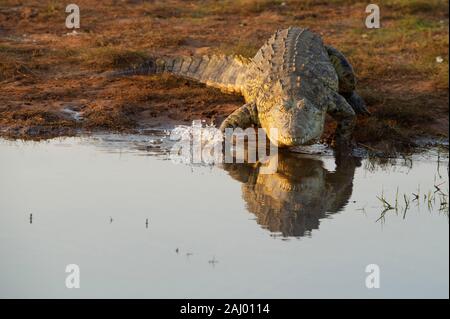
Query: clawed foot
[[357, 103]]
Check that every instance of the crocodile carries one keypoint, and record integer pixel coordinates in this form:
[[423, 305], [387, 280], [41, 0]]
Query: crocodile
[[298, 195], [291, 84]]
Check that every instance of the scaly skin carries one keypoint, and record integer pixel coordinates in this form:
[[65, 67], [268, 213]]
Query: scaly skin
[[298, 195], [291, 84]]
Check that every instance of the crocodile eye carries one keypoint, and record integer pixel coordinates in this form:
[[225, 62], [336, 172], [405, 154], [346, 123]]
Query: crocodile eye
[[301, 104]]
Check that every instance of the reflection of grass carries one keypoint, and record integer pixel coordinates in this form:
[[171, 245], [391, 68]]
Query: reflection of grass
[[407, 201], [435, 201], [386, 206]]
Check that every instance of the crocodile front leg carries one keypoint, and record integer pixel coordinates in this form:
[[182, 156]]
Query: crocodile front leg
[[244, 117], [344, 114]]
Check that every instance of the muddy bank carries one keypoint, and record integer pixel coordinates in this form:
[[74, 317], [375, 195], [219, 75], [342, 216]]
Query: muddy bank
[[48, 83]]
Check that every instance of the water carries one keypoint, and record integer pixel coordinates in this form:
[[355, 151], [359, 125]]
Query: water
[[140, 226]]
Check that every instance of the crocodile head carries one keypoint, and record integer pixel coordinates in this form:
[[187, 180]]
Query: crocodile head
[[297, 120]]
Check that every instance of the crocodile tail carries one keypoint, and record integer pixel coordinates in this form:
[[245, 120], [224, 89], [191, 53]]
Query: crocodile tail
[[146, 68], [224, 72]]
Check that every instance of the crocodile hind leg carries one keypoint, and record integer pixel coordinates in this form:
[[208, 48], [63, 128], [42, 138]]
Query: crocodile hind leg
[[357, 103], [347, 80], [344, 114], [344, 70], [244, 117]]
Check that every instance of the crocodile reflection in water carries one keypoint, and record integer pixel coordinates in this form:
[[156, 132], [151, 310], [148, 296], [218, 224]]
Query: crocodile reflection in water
[[293, 200]]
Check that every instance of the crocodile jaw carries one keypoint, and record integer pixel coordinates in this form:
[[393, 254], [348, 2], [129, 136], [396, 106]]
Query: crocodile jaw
[[298, 124]]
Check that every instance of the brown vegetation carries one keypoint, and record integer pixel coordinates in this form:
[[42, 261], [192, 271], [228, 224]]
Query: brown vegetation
[[45, 70]]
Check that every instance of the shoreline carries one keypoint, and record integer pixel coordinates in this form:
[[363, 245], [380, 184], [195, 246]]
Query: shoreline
[[421, 144]]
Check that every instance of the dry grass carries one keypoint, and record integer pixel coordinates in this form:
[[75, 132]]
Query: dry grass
[[43, 68], [111, 57], [18, 62]]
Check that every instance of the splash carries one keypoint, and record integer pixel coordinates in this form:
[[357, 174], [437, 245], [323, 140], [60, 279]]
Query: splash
[[199, 144]]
